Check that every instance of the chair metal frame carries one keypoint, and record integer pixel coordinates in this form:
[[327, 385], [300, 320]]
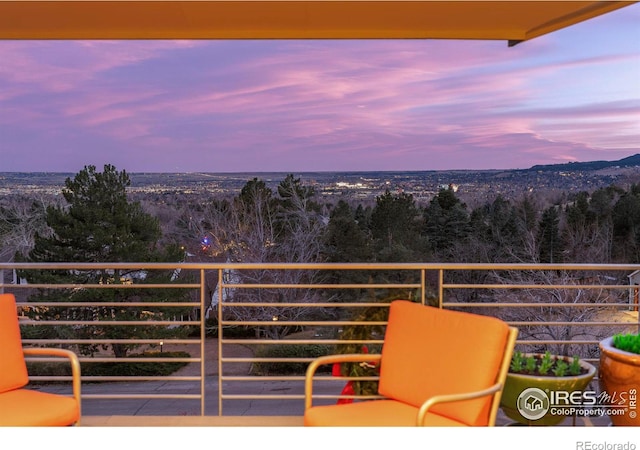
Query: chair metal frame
[[55, 353], [76, 381]]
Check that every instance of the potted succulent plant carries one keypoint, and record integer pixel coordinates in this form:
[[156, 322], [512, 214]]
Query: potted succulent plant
[[533, 377], [619, 377]]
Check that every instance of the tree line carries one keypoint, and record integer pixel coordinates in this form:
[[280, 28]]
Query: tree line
[[293, 224], [97, 220]]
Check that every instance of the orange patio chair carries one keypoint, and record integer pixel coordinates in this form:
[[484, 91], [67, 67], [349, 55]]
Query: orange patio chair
[[20, 406], [437, 368]]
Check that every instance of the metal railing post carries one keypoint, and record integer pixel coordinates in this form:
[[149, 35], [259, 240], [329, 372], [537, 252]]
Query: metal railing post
[[220, 337], [203, 335], [440, 288], [423, 286]]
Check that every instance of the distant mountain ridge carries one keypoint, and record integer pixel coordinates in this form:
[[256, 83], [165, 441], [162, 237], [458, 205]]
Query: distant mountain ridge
[[422, 184], [629, 161]]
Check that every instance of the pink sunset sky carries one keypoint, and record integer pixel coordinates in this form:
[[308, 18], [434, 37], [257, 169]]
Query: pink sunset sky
[[322, 105]]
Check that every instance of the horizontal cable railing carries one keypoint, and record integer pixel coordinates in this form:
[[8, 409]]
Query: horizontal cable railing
[[96, 327], [287, 314]]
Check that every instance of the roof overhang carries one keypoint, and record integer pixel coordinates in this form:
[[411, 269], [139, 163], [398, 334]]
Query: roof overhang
[[513, 21]]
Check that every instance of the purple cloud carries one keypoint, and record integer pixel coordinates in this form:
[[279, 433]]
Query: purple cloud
[[321, 105]]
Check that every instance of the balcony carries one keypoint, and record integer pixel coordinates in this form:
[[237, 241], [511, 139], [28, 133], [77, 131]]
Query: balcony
[[234, 379]]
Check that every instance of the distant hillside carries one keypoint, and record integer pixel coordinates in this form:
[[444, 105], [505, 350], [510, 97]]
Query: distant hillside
[[630, 161]]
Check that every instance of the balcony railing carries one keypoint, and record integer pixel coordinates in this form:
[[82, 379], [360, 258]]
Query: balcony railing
[[297, 309]]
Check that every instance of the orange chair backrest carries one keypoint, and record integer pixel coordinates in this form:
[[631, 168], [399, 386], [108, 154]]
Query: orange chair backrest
[[13, 369], [429, 351]]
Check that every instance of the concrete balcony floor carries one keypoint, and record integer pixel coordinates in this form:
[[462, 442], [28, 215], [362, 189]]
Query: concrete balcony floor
[[191, 421], [250, 412], [252, 421], [242, 413]]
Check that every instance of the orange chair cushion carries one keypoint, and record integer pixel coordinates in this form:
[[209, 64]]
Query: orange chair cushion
[[13, 369], [24, 407], [430, 351], [375, 413]]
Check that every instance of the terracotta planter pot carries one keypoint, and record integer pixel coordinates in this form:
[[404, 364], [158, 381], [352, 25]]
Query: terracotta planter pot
[[518, 385], [619, 377]]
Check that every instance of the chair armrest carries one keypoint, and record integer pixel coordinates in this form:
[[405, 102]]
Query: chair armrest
[[446, 398], [71, 356], [331, 359]]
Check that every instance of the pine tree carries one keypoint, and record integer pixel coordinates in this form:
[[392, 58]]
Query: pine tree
[[99, 224], [550, 243], [495, 227], [346, 242], [395, 226], [447, 222], [626, 225]]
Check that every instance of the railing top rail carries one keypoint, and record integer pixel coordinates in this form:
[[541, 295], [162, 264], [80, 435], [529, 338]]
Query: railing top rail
[[317, 266]]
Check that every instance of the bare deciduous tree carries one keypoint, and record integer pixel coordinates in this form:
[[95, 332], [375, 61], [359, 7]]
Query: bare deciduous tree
[[547, 312], [21, 218], [259, 229]]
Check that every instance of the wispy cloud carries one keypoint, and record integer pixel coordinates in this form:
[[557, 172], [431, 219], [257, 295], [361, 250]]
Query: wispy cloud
[[317, 105]]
